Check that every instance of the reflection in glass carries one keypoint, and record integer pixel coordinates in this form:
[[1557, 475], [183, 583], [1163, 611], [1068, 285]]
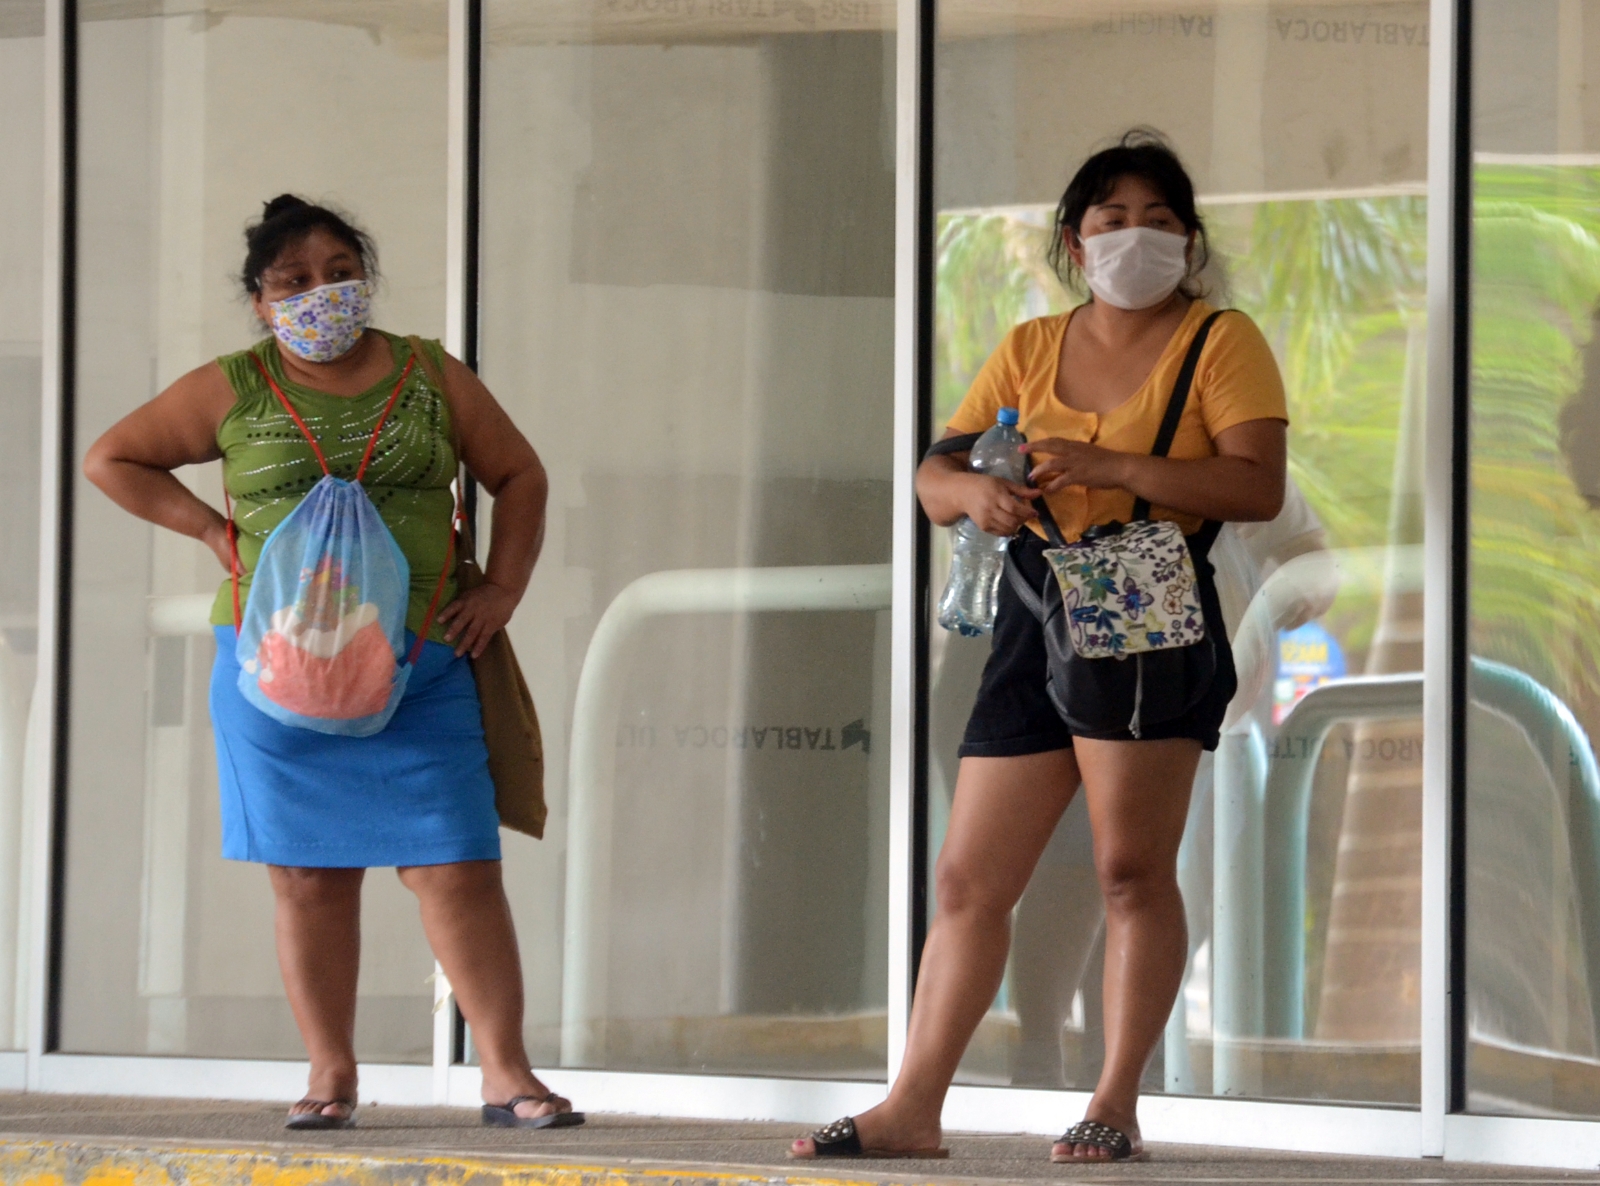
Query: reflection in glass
[[1306, 131], [22, 57], [688, 307], [1533, 906], [189, 122]]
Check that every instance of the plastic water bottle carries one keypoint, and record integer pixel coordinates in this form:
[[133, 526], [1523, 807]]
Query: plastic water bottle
[[968, 604]]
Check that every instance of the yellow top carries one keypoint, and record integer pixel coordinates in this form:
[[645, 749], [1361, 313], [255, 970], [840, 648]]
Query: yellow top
[[1237, 380]]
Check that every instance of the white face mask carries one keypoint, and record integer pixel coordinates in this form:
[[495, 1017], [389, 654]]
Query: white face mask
[[1136, 267]]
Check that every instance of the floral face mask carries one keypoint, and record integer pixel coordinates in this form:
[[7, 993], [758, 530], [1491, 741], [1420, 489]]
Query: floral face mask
[[324, 323]]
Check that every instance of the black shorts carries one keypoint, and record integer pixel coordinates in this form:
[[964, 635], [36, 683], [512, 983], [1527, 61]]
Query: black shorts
[[1013, 714]]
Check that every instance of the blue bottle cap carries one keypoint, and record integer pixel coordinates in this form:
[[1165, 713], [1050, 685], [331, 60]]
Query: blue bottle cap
[[1008, 417]]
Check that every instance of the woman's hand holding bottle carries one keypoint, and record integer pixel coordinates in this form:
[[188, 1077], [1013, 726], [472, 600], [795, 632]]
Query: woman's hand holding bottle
[[997, 506]]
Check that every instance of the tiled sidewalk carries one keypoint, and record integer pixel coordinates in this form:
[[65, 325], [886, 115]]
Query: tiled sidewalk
[[98, 1141]]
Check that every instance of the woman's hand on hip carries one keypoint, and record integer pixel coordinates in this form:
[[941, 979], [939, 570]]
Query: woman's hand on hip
[[215, 537], [1063, 463], [472, 619], [997, 506]]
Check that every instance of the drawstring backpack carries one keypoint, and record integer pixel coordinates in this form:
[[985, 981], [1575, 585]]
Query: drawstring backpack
[[321, 641]]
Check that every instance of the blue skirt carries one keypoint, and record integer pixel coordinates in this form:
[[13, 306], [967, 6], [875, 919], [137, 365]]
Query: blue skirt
[[418, 793]]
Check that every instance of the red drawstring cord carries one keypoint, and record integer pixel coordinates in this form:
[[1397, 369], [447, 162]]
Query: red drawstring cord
[[438, 590], [233, 555], [372, 441], [361, 471]]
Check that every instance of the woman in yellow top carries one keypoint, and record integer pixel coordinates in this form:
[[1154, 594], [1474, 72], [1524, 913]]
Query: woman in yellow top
[[1091, 387]]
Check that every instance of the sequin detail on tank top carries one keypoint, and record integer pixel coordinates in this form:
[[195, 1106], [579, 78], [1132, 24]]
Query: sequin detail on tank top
[[269, 470]]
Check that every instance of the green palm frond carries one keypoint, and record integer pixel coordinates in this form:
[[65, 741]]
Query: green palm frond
[[1535, 542], [990, 274]]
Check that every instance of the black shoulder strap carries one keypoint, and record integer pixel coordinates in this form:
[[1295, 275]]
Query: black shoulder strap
[[1177, 401], [956, 444], [1052, 529], [1026, 593], [1201, 541]]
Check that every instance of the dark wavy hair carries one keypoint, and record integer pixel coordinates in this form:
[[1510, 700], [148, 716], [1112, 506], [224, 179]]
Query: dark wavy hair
[[285, 221], [1143, 153]]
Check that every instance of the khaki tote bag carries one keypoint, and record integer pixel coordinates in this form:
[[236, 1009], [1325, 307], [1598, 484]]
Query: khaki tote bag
[[510, 723]]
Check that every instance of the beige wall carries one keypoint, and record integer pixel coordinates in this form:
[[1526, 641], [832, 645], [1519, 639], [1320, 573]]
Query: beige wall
[[1256, 97]]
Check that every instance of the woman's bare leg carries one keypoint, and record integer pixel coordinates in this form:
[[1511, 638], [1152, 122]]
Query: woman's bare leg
[[1003, 814], [1138, 794], [318, 929], [468, 922]]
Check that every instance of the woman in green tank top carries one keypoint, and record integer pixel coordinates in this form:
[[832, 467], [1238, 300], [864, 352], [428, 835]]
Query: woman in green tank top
[[319, 809]]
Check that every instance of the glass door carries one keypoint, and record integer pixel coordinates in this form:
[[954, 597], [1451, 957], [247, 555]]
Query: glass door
[[688, 306], [1533, 788], [1305, 129], [22, 59], [188, 123]]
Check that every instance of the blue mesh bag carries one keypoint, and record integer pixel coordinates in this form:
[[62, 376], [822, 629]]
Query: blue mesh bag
[[321, 640]]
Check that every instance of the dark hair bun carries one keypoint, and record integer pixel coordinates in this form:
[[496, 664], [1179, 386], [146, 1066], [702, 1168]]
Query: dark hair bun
[[281, 204]]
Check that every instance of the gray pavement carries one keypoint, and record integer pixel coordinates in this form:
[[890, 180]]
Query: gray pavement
[[623, 1144]]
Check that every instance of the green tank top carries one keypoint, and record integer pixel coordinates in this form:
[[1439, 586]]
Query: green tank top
[[268, 467]]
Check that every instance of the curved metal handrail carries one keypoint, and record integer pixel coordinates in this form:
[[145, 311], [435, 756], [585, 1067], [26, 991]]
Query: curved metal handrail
[[1552, 731], [592, 769], [1238, 778], [1569, 759], [1242, 952], [1287, 808]]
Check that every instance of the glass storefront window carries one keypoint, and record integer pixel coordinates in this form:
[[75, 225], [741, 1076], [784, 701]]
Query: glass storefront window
[[688, 301], [188, 123], [22, 58], [1305, 129], [1533, 898]]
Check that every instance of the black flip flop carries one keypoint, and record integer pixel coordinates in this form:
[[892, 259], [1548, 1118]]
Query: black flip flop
[[505, 1115], [840, 1139], [1100, 1136], [318, 1119]]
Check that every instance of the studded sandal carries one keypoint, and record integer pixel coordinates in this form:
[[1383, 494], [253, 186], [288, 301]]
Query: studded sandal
[[316, 1118], [505, 1115], [1100, 1136], [840, 1139]]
